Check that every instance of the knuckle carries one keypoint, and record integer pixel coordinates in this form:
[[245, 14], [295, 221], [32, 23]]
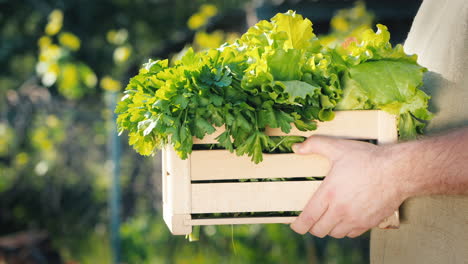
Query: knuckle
[[308, 217], [341, 210], [355, 221], [315, 231], [330, 195]]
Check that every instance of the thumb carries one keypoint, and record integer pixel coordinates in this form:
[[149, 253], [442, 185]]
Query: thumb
[[329, 147]]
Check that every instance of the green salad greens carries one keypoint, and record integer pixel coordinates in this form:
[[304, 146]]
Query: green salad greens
[[277, 75]]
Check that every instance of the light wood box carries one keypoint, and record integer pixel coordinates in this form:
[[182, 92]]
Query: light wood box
[[186, 189]]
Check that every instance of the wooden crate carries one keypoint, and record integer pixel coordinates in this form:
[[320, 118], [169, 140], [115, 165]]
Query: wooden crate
[[207, 183]]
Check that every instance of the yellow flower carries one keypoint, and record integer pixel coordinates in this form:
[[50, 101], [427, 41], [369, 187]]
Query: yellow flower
[[205, 40], [44, 42], [55, 22], [56, 15], [69, 81], [360, 9], [52, 121], [196, 21], [117, 37], [339, 24], [90, 79], [54, 68], [109, 84], [41, 139], [51, 52], [231, 37], [121, 54], [50, 74], [21, 159], [208, 10], [69, 40]]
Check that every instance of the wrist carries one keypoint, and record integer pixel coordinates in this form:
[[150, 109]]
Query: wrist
[[402, 168]]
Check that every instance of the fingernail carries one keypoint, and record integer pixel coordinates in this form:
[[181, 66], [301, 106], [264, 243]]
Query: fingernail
[[296, 147]]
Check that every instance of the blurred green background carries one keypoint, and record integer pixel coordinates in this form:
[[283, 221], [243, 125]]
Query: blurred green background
[[63, 65]]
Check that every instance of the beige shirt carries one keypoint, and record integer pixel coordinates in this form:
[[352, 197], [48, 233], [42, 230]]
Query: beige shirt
[[434, 229], [439, 35]]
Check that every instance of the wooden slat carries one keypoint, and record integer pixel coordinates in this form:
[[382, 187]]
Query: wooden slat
[[242, 220], [177, 182], [210, 138], [387, 126], [164, 176], [388, 134], [388, 223], [251, 196], [356, 124], [360, 124], [257, 197], [176, 192], [222, 165], [183, 198]]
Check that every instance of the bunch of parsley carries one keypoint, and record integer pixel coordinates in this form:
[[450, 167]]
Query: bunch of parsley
[[277, 75]]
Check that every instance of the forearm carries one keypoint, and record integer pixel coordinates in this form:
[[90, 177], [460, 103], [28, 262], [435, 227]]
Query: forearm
[[434, 165]]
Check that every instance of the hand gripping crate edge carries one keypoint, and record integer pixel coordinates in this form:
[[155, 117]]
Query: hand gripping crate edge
[[190, 187]]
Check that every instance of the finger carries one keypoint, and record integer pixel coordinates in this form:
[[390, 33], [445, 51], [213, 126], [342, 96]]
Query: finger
[[312, 212], [340, 230], [325, 146], [356, 232], [325, 225]]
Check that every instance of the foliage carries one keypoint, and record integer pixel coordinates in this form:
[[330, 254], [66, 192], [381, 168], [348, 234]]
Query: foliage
[[200, 18], [348, 25], [56, 64], [147, 240], [60, 61], [202, 39], [275, 75], [53, 160]]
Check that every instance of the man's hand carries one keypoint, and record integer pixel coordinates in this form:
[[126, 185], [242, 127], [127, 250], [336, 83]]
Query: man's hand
[[362, 188]]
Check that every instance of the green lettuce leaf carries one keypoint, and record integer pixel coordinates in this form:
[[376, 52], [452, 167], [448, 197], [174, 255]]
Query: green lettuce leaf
[[298, 89], [388, 85], [298, 30], [275, 75]]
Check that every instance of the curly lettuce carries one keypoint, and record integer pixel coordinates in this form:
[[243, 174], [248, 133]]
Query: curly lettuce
[[275, 75]]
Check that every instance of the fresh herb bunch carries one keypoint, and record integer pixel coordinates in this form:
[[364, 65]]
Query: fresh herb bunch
[[276, 75]]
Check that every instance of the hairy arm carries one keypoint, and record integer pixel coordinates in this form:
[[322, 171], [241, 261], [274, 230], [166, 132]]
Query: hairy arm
[[435, 165], [368, 183]]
